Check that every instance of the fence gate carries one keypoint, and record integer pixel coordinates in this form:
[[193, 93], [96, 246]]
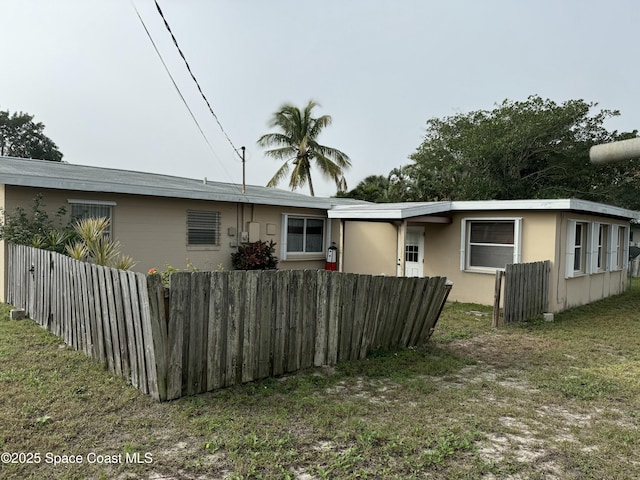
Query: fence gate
[[526, 287]]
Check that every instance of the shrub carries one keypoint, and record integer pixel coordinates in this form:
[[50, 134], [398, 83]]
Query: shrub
[[255, 256], [36, 228], [170, 270]]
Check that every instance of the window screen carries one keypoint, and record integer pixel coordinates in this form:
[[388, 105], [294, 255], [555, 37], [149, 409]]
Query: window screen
[[82, 210]]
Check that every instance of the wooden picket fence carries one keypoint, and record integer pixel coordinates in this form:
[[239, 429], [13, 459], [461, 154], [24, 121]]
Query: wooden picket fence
[[526, 290], [216, 329], [233, 327], [101, 311]]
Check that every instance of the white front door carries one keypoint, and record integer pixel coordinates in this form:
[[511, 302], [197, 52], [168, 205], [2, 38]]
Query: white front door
[[414, 252]]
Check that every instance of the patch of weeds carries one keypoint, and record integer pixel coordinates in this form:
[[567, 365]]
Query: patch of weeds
[[447, 444], [460, 321], [345, 461], [403, 364], [580, 464], [583, 386]]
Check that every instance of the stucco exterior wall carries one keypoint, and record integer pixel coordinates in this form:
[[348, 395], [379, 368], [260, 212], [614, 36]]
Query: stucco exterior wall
[[153, 230], [580, 290], [270, 219], [443, 244], [370, 248]]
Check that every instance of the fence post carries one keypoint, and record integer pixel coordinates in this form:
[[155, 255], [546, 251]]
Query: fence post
[[496, 298]]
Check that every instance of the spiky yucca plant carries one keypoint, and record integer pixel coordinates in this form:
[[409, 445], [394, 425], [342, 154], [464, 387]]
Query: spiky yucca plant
[[95, 247], [77, 251]]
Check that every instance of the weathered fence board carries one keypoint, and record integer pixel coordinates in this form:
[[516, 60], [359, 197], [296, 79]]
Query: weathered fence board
[[149, 353], [175, 335], [266, 318], [128, 322], [334, 296], [158, 330]]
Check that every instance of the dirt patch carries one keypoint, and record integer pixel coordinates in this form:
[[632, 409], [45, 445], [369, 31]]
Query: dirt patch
[[501, 349]]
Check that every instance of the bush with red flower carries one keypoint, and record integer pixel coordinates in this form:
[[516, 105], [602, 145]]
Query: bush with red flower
[[255, 256]]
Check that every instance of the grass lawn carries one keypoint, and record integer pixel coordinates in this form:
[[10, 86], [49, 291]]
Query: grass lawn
[[532, 401]]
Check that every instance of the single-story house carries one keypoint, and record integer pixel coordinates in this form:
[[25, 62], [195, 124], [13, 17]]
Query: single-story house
[[165, 220], [467, 241]]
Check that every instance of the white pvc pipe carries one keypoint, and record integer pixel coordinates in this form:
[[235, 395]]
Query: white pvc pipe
[[615, 151]]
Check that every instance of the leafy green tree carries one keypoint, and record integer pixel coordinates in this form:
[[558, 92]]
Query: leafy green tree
[[403, 184], [21, 137], [521, 149], [297, 144]]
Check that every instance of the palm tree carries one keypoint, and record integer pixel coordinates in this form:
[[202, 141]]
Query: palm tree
[[297, 144]]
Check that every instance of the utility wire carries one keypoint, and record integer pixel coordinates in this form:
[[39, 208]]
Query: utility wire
[[180, 93], [166, 24]]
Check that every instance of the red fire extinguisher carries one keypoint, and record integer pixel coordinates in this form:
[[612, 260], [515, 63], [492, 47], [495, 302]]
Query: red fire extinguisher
[[332, 258]]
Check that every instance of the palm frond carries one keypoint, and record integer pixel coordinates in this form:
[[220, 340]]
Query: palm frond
[[279, 175], [327, 167], [319, 124], [284, 153], [274, 139], [340, 158]]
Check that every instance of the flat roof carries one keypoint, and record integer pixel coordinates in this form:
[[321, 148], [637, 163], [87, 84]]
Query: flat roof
[[67, 176], [402, 211]]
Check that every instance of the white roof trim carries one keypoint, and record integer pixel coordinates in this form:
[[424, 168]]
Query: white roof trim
[[389, 211], [401, 211]]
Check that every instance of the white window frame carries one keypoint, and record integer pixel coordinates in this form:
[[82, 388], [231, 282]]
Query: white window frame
[[99, 203], [619, 247], [585, 264], [625, 246], [217, 232], [465, 244], [326, 235], [600, 247], [614, 254]]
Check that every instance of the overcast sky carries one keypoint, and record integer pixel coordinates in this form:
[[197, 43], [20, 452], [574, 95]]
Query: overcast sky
[[381, 69]]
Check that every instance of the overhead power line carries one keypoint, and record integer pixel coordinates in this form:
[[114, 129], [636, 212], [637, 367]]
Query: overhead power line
[[182, 96], [175, 42]]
